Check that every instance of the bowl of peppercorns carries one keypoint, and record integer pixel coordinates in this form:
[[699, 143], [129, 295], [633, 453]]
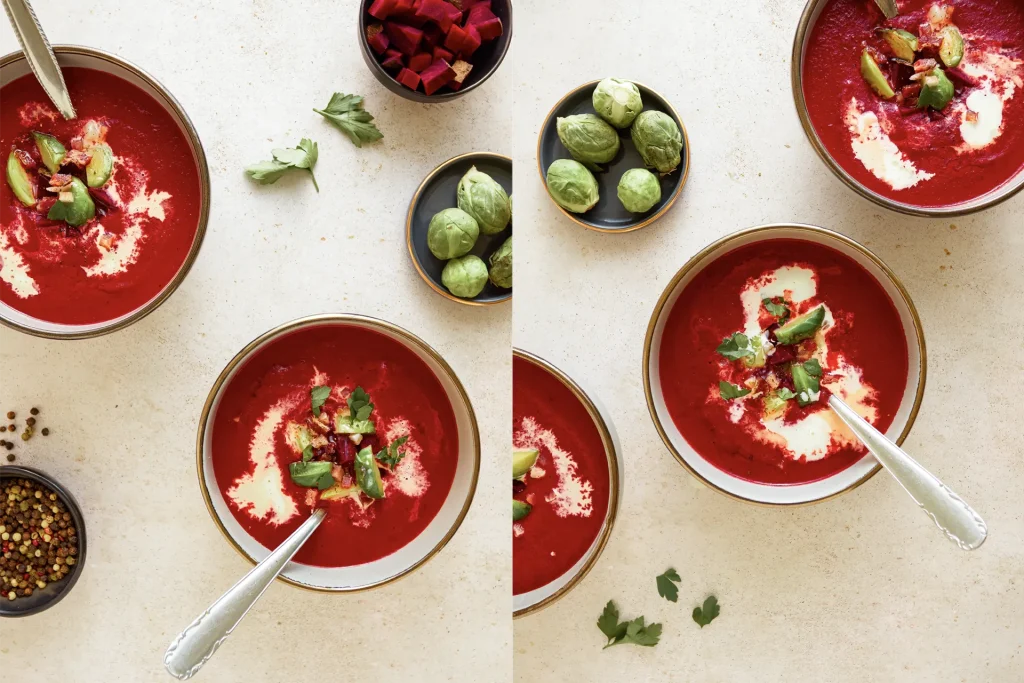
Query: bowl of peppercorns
[[42, 541]]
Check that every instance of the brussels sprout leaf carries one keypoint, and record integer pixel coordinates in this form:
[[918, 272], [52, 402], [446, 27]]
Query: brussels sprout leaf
[[730, 391]]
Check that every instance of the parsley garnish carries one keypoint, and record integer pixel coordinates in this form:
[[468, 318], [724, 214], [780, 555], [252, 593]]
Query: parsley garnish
[[635, 631], [303, 156], [735, 347], [666, 588], [730, 391], [391, 456], [359, 404], [779, 310], [317, 398], [347, 113], [307, 453], [311, 474], [705, 616], [813, 367], [785, 394]]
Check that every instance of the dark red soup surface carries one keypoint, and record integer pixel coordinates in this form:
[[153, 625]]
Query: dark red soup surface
[[569, 486], [251, 452], [866, 335], [933, 141], [147, 215]]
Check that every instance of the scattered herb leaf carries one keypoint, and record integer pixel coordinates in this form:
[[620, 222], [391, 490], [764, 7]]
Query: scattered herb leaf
[[666, 588], [779, 310], [307, 453], [730, 391], [317, 398], [347, 113], [735, 347], [303, 156], [609, 624], [635, 631], [359, 404], [311, 474], [813, 367], [704, 616], [391, 456], [785, 394]]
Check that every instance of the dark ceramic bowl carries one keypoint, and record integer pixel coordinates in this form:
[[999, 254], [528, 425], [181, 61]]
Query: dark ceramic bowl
[[54, 592], [485, 60], [609, 215], [438, 192]]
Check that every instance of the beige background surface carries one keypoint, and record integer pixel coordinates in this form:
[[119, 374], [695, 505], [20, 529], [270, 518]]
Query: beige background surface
[[124, 408], [859, 589]]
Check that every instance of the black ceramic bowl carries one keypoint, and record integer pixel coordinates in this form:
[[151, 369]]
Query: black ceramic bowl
[[609, 215], [485, 60], [54, 592], [438, 192]]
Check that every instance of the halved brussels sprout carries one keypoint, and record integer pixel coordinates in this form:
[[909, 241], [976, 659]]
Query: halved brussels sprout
[[903, 43], [79, 211], [19, 181], [951, 49], [101, 165], [51, 150], [936, 90], [871, 72]]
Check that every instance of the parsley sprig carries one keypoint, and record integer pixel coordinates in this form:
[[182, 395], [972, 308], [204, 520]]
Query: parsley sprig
[[736, 346], [359, 404], [705, 614], [635, 631], [347, 113], [391, 456], [667, 585], [728, 391], [318, 397], [777, 307], [302, 156]]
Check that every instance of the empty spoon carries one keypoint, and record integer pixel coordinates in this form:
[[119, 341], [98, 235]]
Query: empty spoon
[[951, 514], [39, 55], [196, 644]]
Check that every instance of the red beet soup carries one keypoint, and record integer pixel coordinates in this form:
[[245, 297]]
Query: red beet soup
[[927, 108], [379, 451], [756, 343], [103, 210], [567, 488]]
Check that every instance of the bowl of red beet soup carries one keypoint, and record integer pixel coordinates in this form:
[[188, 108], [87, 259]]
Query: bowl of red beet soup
[[924, 113], [351, 414], [434, 50], [566, 484], [749, 340], [101, 217]]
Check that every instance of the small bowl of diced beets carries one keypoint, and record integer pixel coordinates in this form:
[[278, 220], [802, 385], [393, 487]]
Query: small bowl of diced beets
[[434, 50]]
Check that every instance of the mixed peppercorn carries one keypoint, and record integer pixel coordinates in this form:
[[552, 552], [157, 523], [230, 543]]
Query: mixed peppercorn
[[27, 433], [38, 539]]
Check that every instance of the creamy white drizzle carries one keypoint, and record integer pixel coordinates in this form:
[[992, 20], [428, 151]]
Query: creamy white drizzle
[[572, 497], [261, 493], [879, 154]]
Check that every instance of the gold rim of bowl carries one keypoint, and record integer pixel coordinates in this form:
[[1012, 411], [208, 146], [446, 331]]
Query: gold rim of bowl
[[650, 219], [697, 261], [342, 319], [178, 113]]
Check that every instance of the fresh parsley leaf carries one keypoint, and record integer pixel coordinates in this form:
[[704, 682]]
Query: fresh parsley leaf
[[730, 391], [735, 347], [307, 453], [391, 456], [813, 367], [638, 634], [634, 631], [359, 404], [609, 624], [317, 398], [704, 616], [347, 113], [311, 474], [303, 156], [779, 310], [785, 394], [666, 588]]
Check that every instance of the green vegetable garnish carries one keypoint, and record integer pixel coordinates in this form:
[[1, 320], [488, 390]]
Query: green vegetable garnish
[[303, 156], [903, 43], [523, 461], [805, 379], [391, 456], [311, 474], [51, 150], [706, 614], [101, 165], [19, 181], [359, 404], [736, 346], [871, 72], [801, 327], [730, 391], [635, 631], [776, 308], [347, 113], [667, 585], [775, 401], [520, 510], [368, 474], [79, 211], [951, 49], [936, 90], [317, 398]]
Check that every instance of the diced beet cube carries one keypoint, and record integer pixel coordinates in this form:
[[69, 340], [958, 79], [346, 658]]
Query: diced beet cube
[[479, 14], [392, 60], [432, 35], [410, 79], [420, 61], [404, 37], [441, 53], [414, 18], [489, 30], [470, 4], [403, 8], [436, 75], [376, 38], [455, 85], [456, 37], [454, 13], [471, 42], [434, 10], [380, 9]]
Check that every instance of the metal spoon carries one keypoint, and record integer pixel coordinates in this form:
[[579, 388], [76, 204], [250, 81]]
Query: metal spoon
[[888, 8], [196, 644], [39, 55], [958, 521]]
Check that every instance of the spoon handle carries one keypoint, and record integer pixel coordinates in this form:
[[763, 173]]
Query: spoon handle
[[951, 514], [39, 55], [888, 8], [196, 644]]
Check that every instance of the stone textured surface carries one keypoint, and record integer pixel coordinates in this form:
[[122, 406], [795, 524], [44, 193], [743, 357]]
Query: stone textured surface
[[124, 408], [863, 588]]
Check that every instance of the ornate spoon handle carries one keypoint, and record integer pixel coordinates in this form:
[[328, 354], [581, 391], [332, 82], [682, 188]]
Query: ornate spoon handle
[[958, 521], [39, 55], [196, 644], [888, 8]]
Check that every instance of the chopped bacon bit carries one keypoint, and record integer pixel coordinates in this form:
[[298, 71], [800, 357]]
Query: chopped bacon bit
[[59, 181], [924, 65], [106, 240], [971, 116], [372, 30], [77, 158], [78, 142], [25, 158]]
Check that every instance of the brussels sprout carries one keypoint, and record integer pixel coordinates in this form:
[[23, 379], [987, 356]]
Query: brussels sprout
[[872, 73], [936, 90], [617, 102], [501, 265], [572, 186], [79, 211], [452, 233], [589, 139], [485, 200], [658, 140], [951, 49], [19, 181], [639, 190], [101, 165], [465, 276], [51, 151]]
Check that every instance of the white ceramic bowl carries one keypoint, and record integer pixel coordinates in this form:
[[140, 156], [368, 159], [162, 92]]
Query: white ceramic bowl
[[14, 66], [408, 558], [795, 494], [527, 603]]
